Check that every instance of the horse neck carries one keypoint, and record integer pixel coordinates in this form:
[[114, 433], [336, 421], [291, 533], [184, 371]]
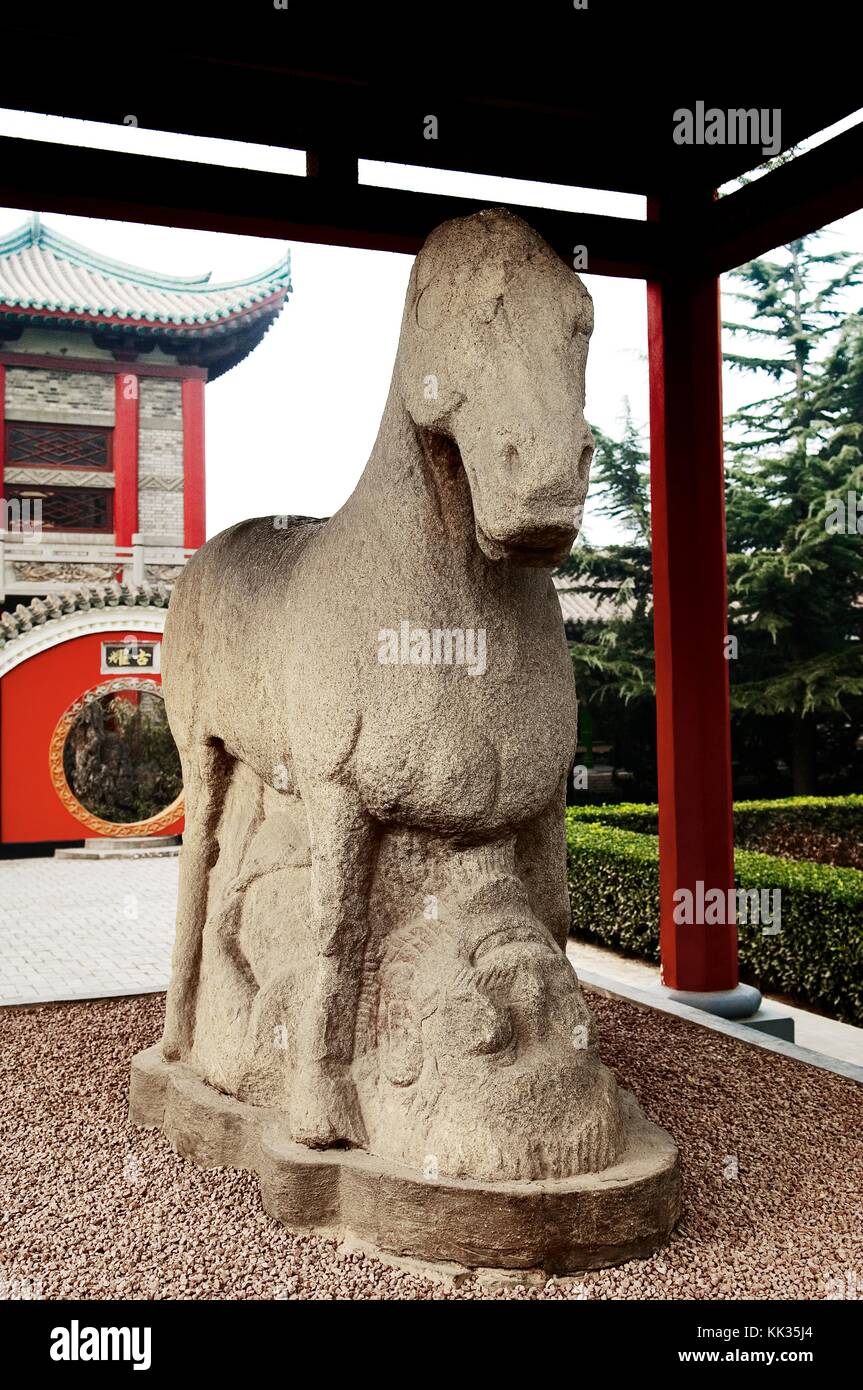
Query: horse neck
[[416, 484]]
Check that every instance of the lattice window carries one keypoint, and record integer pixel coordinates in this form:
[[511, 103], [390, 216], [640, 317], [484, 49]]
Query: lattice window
[[58, 446], [65, 508]]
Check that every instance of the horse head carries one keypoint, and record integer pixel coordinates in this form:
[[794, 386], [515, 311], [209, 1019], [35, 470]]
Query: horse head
[[492, 357]]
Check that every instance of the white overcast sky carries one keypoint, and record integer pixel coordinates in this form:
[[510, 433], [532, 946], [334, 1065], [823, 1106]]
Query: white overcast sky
[[290, 428]]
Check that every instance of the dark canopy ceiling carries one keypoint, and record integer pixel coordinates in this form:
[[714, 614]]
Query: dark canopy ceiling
[[582, 106], [543, 93]]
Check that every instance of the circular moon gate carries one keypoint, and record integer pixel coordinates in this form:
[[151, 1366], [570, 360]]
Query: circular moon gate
[[152, 825]]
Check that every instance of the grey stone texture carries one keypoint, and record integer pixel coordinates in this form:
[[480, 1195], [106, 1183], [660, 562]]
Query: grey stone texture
[[45, 395], [552, 1226], [376, 716], [160, 458]]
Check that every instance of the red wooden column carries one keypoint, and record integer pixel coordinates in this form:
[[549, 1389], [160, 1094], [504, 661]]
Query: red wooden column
[[2, 432], [690, 623], [126, 392], [194, 491]]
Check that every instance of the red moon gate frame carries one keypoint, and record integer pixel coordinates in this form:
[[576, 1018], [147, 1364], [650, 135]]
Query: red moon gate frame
[[48, 674]]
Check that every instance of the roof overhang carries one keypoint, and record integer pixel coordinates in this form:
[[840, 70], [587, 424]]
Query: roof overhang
[[216, 347], [80, 623], [593, 106], [50, 282]]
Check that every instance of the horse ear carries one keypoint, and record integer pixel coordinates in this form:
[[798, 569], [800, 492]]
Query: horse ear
[[399, 1043]]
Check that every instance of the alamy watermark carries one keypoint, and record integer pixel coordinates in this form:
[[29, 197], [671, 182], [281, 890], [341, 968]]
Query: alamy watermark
[[20, 1288], [77, 1343], [23, 515], [842, 1286], [845, 515], [712, 126], [720, 906], [438, 646]]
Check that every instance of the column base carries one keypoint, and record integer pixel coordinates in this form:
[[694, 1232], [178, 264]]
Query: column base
[[740, 1002]]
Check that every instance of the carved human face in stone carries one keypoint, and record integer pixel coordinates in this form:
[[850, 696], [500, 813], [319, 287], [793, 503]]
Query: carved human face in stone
[[495, 344], [486, 1055]]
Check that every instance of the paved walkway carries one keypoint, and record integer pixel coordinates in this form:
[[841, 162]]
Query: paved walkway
[[814, 1031], [85, 929]]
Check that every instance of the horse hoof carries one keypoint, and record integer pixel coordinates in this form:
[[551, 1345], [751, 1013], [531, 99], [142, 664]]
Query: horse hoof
[[325, 1113]]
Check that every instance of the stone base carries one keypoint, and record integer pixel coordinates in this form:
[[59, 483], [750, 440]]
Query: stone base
[[773, 1021], [558, 1227], [125, 847], [738, 1003]]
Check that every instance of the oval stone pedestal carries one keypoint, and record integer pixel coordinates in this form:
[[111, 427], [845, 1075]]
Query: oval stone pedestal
[[559, 1226]]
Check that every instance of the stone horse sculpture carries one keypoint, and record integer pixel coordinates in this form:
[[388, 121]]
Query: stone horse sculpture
[[376, 716]]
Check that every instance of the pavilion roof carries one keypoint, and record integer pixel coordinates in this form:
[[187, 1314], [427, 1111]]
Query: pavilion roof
[[49, 280], [579, 604]]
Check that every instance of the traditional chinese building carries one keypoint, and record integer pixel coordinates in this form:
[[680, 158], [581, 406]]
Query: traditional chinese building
[[102, 373]]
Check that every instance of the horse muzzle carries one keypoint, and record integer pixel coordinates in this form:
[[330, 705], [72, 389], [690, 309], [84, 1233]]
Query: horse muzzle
[[540, 546]]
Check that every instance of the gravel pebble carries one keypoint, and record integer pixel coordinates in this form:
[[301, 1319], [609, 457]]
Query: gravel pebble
[[94, 1209]]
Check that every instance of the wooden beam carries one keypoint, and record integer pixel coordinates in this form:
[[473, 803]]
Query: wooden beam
[[274, 83], [174, 193], [91, 364], [799, 197]]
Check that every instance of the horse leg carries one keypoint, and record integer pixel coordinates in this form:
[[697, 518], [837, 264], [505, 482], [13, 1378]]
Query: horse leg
[[324, 1109], [541, 864], [227, 921], [206, 770]]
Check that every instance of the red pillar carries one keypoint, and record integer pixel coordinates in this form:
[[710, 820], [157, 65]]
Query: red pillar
[[690, 623], [126, 390], [194, 492], [2, 431]]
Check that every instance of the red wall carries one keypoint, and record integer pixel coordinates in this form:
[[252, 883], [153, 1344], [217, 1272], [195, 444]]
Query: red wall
[[33, 697]]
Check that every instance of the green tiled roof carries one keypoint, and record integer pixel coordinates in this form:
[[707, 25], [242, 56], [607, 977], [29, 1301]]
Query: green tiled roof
[[43, 274], [112, 595]]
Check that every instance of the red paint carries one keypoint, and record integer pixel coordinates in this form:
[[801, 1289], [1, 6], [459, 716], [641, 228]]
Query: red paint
[[690, 623], [125, 456], [194, 489], [24, 459], [195, 330], [33, 698], [2, 432], [85, 364]]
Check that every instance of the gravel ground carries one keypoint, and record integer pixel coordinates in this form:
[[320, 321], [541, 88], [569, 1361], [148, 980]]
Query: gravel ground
[[772, 1153]]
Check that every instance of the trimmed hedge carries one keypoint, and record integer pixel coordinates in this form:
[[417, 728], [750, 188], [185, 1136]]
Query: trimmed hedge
[[642, 817], [835, 815], [817, 957]]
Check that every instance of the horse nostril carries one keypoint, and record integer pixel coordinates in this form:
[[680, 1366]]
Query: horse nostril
[[510, 458], [584, 462]]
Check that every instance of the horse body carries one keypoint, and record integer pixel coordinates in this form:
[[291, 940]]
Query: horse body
[[271, 652], [460, 761]]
